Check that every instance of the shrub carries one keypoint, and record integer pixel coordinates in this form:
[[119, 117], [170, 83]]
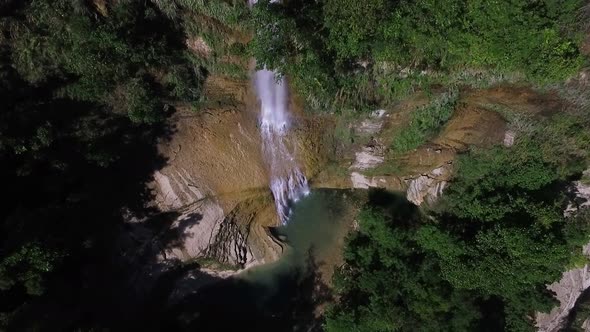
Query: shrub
[[426, 122]]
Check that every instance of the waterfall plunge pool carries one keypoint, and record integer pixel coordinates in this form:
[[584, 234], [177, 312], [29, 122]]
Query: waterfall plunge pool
[[290, 292]]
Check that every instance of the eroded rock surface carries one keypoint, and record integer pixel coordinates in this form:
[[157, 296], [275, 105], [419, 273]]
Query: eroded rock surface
[[193, 231], [567, 291], [423, 173], [428, 187], [217, 180], [211, 154], [573, 282], [214, 177]]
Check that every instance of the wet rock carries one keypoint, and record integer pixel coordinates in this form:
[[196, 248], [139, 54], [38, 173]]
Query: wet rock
[[373, 124], [196, 279], [313, 142], [472, 126], [362, 182], [391, 183], [238, 238], [191, 234], [215, 176], [243, 238]]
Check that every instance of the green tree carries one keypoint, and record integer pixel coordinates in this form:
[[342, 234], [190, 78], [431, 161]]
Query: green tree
[[389, 284], [353, 25], [502, 232], [113, 60], [494, 242], [85, 92], [27, 266]]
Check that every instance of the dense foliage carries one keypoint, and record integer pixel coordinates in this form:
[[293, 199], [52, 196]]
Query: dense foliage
[[496, 240], [129, 60], [579, 314], [86, 87], [359, 53], [390, 284]]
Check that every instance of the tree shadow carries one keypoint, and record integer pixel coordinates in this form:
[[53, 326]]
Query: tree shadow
[[395, 205], [80, 211], [77, 174], [76, 197], [289, 301], [579, 313]]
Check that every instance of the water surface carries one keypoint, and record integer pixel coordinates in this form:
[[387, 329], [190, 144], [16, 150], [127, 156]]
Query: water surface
[[284, 295]]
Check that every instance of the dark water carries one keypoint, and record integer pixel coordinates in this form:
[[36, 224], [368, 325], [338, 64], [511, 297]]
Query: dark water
[[284, 295]]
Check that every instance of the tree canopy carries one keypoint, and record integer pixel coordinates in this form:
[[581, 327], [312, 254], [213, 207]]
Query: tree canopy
[[359, 53], [86, 87], [484, 254]]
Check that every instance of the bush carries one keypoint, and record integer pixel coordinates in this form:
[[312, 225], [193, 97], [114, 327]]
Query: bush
[[425, 123], [88, 58]]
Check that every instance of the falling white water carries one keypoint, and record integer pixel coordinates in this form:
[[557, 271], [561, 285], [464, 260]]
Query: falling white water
[[287, 182]]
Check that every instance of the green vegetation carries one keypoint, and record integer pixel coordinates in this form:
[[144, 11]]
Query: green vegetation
[[486, 252], [390, 284], [27, 266], [222, 25], [359, 54], [86, 88], [425, 123], [114, 60]]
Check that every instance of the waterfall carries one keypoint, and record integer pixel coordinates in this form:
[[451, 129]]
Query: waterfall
[[287, 182]]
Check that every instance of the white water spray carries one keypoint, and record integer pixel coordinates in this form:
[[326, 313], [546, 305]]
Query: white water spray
[[287, 183]]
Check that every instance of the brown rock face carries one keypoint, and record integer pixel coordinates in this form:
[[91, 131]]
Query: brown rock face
[[215, 154], [216, 179], [216, 168], [424, 172], [472, 126]]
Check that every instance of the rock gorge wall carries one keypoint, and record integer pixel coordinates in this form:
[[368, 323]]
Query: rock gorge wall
[[216, 178], [574, 282], [424, 172], [567, 290]]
